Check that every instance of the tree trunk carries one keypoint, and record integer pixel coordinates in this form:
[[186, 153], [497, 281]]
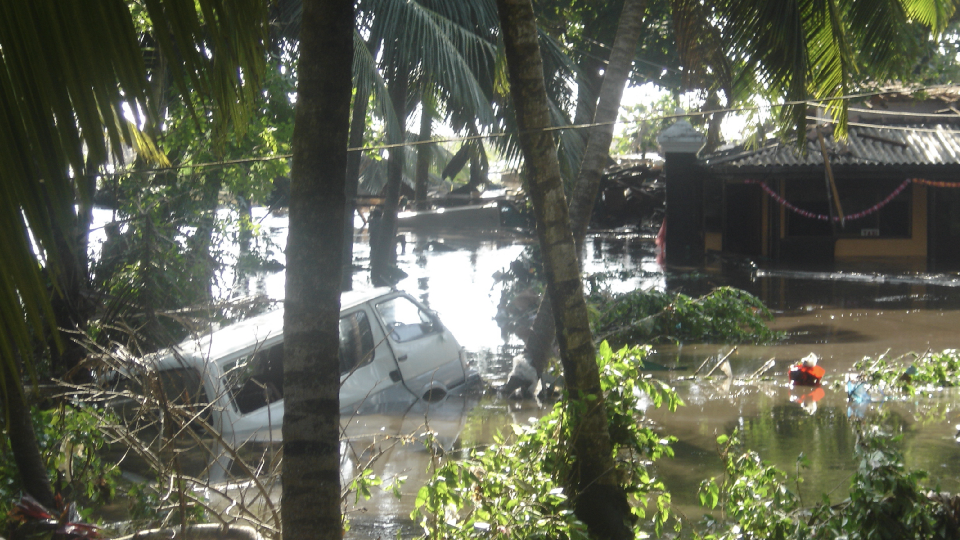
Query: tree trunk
[[714, 123], [423, 153], [203, 237], [23, 443], [608, 107], [70, 307], [358, 124], [310, 505], [600, 502], [594, 158], [383, 251]]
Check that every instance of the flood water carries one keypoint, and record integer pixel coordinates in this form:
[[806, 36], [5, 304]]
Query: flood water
[[842, 314]]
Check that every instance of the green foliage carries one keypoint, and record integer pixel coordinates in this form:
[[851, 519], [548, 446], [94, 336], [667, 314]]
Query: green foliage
[[149, 508], [70, 440], [930, 370], [726, 315], [753, 497], [169, 245], [515, 487], [886, 501], [644, 122]]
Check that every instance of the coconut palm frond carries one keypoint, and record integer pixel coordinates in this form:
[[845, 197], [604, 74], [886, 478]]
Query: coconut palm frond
[[445, 52], [934, 14], [366, 75], [68, 70], [799, 49], [701, 49], [560, 71]]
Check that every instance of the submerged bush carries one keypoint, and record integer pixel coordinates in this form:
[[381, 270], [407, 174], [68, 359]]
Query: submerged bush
[[940, 370], [515, 488], [886, 501], [726, 315]]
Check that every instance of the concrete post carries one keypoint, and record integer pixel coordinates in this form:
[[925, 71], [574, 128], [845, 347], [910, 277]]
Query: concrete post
[[679, 145]]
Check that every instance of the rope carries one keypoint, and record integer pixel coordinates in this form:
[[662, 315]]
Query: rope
[[823, 217]]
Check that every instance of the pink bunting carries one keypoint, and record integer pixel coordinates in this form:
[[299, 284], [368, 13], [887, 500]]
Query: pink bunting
[[862, 214]]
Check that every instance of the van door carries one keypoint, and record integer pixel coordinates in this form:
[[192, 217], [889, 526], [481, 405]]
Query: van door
[[369, 375], [428, 355]]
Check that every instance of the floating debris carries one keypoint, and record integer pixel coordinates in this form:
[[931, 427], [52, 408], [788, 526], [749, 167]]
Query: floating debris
[[807, 372]]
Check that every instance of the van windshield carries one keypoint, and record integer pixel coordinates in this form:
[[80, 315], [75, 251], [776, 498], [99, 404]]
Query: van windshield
[[404, 320]]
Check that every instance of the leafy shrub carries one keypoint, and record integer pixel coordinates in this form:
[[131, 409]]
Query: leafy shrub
[[726, 315], [940, 369], [886, 501], [70, 441], [515, 487]]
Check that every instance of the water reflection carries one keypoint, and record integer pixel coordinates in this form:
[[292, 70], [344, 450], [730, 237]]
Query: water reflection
[[779, 429]]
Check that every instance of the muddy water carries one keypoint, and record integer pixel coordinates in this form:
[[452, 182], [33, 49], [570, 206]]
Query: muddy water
[[842, 314]]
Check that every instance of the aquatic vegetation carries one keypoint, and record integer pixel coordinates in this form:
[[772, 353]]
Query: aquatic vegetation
[[930, 369], [514, 487], [886, 501], [725, 315]]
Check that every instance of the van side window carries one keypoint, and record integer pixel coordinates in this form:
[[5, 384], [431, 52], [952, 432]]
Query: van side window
[[257, 380], [183, 387], [356, 342], [404, 320]]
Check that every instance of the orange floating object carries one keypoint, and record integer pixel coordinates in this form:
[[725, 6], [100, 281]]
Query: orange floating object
[[806, 375]]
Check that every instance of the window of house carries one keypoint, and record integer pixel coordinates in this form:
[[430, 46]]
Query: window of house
[[356, 342], [713, 206]]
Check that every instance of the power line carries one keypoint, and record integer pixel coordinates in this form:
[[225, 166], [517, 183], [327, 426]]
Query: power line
[[695, 114]]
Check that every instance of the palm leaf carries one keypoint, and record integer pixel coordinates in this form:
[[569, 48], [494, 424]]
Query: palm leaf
[[437, 48], [66, 69]]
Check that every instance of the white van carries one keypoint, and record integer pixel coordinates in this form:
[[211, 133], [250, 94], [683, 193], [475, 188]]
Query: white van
[[392, 350]]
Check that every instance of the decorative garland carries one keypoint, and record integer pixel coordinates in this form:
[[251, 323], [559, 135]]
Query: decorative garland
[[783, 202], [936, 184]]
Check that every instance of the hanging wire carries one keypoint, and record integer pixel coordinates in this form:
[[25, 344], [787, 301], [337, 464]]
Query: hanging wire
[[651, 118]]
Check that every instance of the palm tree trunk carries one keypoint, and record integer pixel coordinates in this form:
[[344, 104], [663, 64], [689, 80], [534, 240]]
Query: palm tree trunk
[[594, 159], [23, 443], [600, 502], [358, 124], [203, 237], [608, 107], [70, 307], [423, 153], [383, 251], [311, 423]]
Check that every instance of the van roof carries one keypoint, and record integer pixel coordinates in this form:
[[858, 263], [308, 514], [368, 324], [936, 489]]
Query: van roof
[[227, 341]]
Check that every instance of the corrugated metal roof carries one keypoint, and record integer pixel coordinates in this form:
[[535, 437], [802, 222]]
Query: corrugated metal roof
[[895, 145]]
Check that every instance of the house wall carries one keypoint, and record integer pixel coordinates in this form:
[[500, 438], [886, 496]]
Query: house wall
[[915, 246], [713, 241]]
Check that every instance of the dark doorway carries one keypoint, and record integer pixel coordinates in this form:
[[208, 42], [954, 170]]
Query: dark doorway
[[743, 223], [944, 234]]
